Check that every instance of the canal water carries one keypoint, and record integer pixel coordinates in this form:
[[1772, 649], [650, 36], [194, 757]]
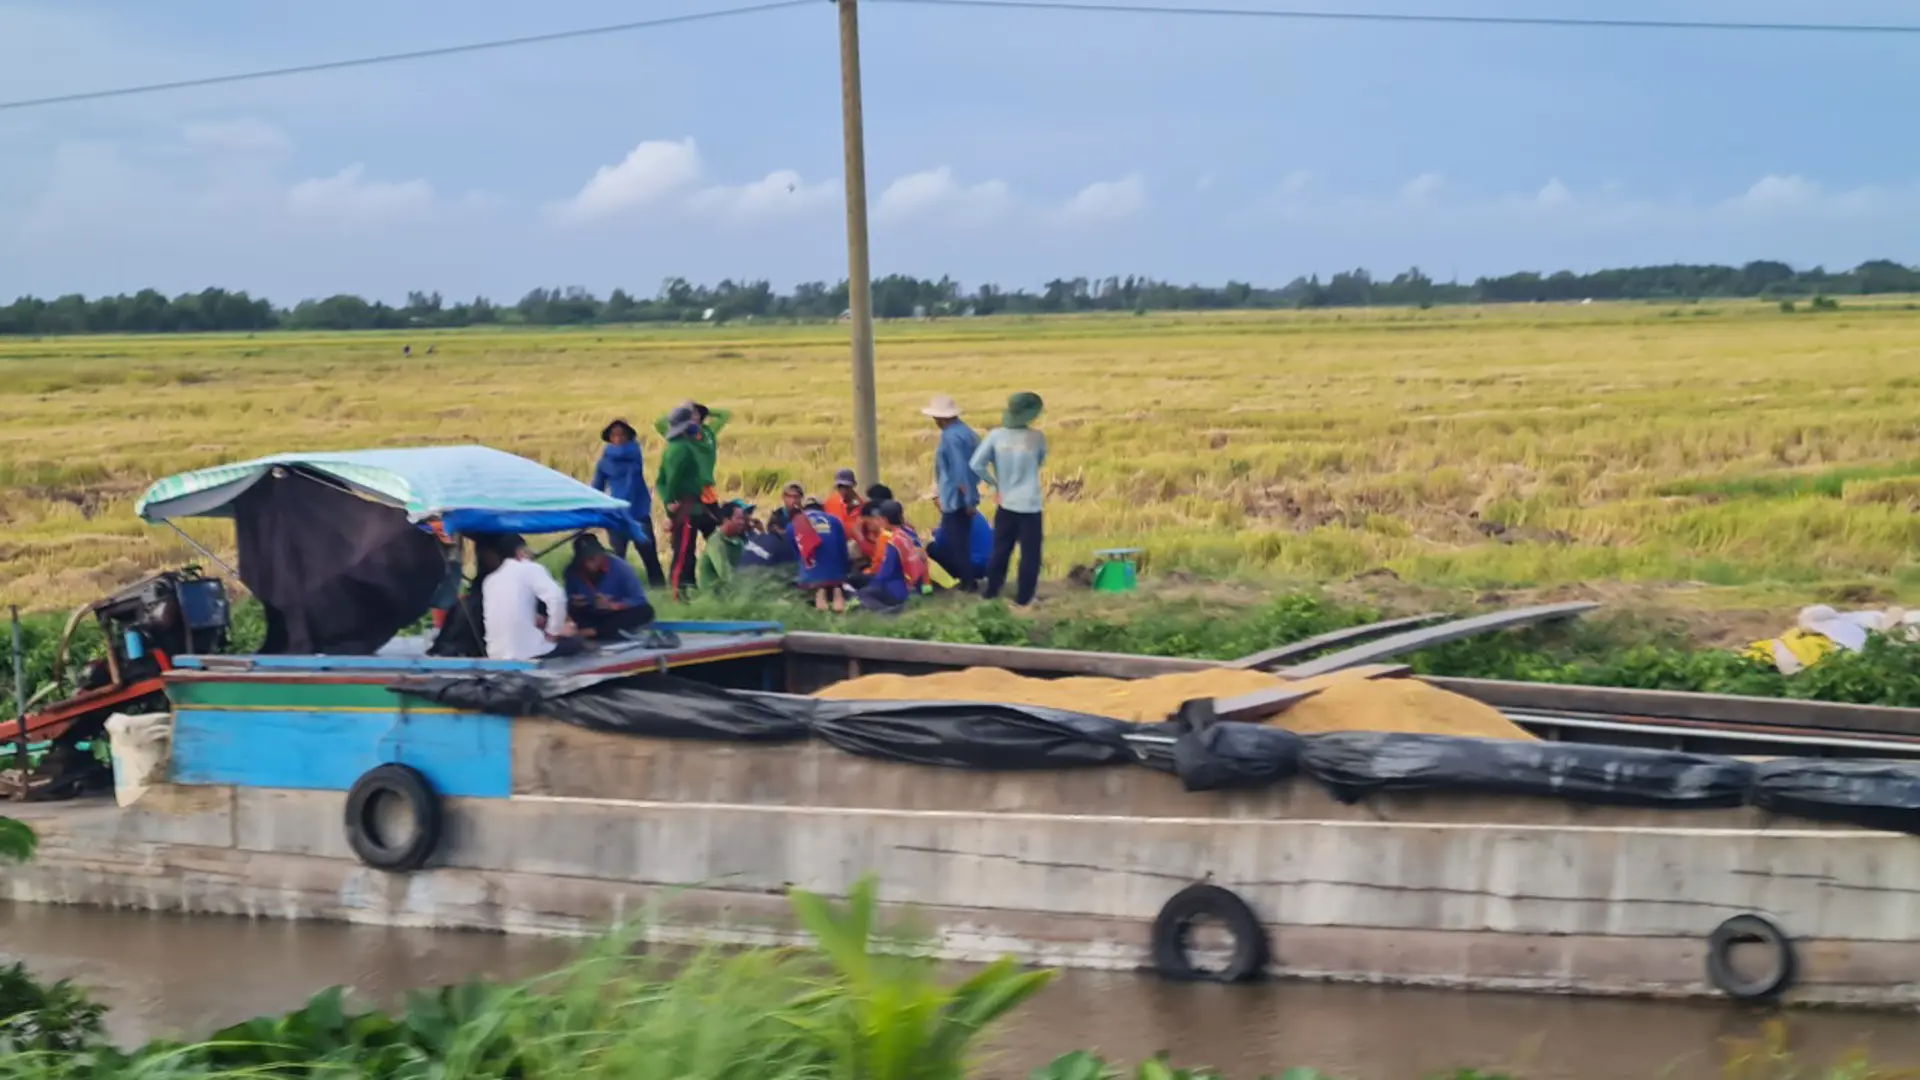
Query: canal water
[[185, 976]]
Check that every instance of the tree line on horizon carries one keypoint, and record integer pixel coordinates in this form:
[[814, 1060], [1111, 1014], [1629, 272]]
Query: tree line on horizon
[[899, 296]]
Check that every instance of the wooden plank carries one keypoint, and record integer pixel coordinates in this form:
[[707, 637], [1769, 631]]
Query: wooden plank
[[1674, 705], [1029, 661], [1265, 660], [1414, 640]]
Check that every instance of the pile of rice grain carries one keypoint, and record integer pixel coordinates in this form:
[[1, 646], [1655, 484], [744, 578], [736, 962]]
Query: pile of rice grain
[[1347, 701]]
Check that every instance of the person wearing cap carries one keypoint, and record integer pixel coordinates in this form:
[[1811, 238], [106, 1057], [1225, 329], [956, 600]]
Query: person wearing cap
[[706, 450], [1009, 459], [845, 502], [511, 601], [604, 596], [622, 473], [725, 547], [956, 489], [680, 485]]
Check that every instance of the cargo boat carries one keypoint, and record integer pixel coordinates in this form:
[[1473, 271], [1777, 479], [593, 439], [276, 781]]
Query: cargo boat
[[698, 783]]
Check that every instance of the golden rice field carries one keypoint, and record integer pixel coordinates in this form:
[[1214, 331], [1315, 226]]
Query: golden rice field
[[1731, 445]]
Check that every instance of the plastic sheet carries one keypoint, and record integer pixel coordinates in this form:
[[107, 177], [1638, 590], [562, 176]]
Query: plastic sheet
[[1354, 765], [1226, 756], [1871, 794], [972, 735]]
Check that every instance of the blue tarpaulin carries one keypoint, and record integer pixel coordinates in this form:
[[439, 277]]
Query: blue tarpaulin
[[468, 489]]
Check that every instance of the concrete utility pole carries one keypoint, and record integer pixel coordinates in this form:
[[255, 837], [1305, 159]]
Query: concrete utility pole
[[866, 426]]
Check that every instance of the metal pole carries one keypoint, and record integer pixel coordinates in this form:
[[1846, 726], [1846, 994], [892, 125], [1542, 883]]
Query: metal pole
[[866, 434]]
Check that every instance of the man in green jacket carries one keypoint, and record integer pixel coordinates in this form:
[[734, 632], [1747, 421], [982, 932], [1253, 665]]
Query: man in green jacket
[[680, 486], [707, 452], [724, 548]]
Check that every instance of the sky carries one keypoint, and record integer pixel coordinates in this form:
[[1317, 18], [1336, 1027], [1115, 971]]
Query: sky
[[1004, 146]]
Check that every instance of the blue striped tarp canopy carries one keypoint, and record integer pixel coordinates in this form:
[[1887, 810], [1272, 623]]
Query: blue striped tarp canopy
[[469, 489]]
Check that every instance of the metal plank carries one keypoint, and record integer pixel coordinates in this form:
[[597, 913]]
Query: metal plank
[[1414, 640], [1261, 661], [1030, 661], [1678, 705]]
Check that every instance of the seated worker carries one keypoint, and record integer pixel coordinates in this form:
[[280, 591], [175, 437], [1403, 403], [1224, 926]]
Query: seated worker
[[845, 502], [820, 541], [729, 540], [513, 595], [979, 547], [604, 596], [902, 569], [465, 631], [793, 499]]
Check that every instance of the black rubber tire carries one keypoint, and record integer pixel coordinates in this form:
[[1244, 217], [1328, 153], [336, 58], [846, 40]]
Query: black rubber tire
[[406, 784], [1174, 924], [1751, 928]]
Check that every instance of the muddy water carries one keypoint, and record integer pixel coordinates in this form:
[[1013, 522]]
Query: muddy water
[[186, 976]]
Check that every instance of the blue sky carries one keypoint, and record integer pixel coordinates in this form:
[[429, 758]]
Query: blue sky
[[1004, 146]]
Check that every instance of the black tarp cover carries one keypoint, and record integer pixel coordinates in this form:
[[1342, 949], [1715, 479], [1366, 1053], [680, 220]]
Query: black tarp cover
[[1355, 764], [337, 574], [959, 734]]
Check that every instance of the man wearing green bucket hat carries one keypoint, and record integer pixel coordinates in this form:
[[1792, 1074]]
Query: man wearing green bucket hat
[[1009, 460]]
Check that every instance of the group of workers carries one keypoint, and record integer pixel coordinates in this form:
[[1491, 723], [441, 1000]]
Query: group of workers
[[854, 542]]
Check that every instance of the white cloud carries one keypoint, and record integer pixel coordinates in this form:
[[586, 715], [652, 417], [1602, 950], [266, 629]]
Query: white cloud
[[653, 172], [1422, 189], [1554, 193], [1109, 200], [782, 193], [935, 193], [349, 196], [1774, 192]]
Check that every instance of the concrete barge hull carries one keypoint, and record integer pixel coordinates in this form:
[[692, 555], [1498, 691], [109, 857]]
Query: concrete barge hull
[[700, 840]]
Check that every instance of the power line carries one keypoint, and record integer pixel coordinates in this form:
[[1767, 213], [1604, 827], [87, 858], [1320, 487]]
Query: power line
[[1396, 17], [394, 58]]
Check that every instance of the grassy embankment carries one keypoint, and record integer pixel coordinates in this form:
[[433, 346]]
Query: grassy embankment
[[1729, 455]]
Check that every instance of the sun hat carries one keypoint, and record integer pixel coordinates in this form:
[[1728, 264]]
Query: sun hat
[[606, 433], [942, 407], [1023, 409], [845, 478], [682, 421], [794, 486], [587, 544]]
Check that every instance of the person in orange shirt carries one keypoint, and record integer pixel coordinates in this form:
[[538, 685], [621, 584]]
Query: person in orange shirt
[[846, 504]]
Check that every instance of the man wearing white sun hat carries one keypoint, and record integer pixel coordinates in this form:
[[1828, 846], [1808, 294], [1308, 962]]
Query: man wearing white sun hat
[[956, 488]]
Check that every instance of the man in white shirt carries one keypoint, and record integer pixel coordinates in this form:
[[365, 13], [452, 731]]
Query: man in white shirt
[[509, 597]]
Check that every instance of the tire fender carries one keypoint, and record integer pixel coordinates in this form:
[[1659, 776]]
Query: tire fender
[[1173, 927], [1744, 929], [395, 855]]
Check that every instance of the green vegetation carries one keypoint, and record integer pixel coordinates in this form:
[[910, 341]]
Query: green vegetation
[[898, 296]]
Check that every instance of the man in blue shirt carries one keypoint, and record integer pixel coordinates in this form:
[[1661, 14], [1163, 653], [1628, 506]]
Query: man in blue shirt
[[604, 594], [956, 488], [622, 474]]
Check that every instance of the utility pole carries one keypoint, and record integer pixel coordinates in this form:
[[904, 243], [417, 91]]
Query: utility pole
[[866, 426]]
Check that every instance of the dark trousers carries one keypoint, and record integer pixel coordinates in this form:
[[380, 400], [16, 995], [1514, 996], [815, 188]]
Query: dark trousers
[[1010, 528], [686, 547], [606, 624], [956, 546], [648, 548]]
